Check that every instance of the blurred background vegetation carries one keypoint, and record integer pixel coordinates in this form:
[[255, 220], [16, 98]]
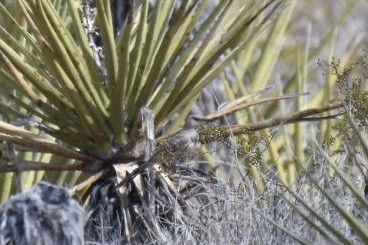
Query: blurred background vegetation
[[303, 182]]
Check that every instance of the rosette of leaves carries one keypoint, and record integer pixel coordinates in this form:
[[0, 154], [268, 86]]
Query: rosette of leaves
[[78, 100]]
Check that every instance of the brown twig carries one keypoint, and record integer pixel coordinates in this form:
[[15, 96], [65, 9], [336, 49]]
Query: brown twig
[[41, 145], [245, 102], [304, 115], [23, 166]]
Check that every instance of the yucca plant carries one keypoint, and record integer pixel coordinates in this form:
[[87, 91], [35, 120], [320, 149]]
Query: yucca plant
[[92, 108], [105, 110]]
